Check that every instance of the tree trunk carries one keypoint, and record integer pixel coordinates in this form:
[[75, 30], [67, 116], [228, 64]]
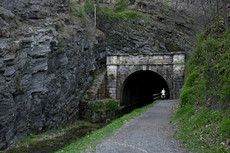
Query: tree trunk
[[217, 13], [225, 14], [95, 15], [205, 13]]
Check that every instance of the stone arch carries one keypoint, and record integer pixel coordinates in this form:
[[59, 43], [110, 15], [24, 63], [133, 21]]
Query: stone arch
[[123, 72], [138, 87], [170, 66]]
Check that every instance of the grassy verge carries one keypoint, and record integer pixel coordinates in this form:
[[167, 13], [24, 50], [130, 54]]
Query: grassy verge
[[203, 117], [90, 142], [203, 130]]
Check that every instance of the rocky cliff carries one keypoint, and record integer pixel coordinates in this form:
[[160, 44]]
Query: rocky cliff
[[165, 27], [48, 56]]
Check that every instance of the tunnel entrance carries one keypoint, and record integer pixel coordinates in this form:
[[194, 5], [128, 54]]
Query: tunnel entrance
[[139, 87]]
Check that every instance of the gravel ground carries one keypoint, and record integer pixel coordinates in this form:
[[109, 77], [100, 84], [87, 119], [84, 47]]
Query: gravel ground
[[149, 133]]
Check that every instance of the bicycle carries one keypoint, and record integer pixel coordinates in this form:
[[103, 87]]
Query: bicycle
[[163, 96]]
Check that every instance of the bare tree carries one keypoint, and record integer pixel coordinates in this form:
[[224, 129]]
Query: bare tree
[[204, 10], [217, 7], [95, 15], [225, 14], [217, 13]]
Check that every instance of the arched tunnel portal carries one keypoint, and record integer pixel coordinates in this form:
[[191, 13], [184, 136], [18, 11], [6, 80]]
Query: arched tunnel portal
[[139, 87], [132, 79]]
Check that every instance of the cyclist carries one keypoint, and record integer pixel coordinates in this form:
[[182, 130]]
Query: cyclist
[[163, 94]]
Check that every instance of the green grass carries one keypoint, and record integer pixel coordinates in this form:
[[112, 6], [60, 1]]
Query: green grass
[[32, 138], [91, 141], [119, 13], [203, 130], [203, 117], [207, 72]]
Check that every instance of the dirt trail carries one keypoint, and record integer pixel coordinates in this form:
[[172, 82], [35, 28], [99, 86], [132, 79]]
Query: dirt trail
[[149, 133]]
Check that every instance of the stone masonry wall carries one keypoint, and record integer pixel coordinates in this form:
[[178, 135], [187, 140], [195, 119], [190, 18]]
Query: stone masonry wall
[[169, 65]]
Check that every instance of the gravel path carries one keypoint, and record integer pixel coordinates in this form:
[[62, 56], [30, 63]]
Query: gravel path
[[149, 133]]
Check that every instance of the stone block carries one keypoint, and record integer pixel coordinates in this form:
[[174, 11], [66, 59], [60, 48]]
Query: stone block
[[6, 14], [178, 58], [9, 57], [39, 64], [111, 70], [9, 71], [1, 62], [111, 60], [37, 83], [39, 51], [20, 60]]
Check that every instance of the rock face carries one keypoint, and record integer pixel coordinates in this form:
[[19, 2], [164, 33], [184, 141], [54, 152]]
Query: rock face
[[48, 58], [42, 75], [163, 29]]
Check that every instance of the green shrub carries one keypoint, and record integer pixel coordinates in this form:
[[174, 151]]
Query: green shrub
[[112, 105], [118, 15], [121, 5], [61, 45], [98, 105], [80, 12], [120, 12], [187, 96], [89, 8], [132, 15], [191, 79], [84, 12]]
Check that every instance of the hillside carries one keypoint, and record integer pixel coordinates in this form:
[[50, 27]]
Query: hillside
[[204, 113]]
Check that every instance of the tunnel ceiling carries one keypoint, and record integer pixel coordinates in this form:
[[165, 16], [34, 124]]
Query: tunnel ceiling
[[139, 87]]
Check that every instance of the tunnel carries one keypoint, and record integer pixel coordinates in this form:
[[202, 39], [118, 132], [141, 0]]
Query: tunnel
[[139, 87]]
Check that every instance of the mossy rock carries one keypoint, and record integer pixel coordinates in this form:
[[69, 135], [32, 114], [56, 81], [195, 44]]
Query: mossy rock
[[173, 47]]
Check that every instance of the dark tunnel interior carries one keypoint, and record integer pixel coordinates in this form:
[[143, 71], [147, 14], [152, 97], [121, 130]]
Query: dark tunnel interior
[[139, 87]]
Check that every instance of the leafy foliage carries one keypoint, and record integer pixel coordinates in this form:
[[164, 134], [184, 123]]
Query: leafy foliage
[[98, 106], [111, 105]]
